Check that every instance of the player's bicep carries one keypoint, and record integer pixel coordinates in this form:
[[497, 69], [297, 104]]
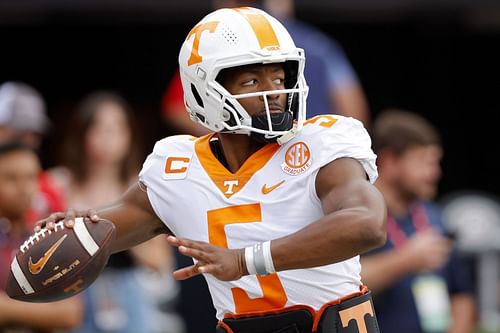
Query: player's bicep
[[343, 184]]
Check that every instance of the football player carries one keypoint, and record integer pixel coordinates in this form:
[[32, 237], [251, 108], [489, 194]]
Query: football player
[[273, 208]]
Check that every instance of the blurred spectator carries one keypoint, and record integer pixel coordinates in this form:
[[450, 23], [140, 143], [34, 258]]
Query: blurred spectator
[[100, 159], [19, 167], [334, 85], [22, 114], [23, 118], [419, 282]]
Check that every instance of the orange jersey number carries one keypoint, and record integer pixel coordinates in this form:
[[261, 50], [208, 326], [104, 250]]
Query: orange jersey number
[[326, 120], [274, 296]]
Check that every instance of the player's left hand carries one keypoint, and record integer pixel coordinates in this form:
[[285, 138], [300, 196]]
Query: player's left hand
[[68, 217], [224, 264]]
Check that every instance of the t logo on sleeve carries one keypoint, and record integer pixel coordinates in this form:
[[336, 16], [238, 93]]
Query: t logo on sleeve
[[176, 167]]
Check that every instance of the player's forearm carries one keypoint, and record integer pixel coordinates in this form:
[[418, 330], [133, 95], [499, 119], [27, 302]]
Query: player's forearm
[[334, 238], [134, 219], [48, 316], [131, 229], [127, 224]]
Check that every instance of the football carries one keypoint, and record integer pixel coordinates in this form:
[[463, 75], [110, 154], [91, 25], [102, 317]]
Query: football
[[55, 264]]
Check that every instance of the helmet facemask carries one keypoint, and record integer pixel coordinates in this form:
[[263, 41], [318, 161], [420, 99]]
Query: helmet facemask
[[268, 126]]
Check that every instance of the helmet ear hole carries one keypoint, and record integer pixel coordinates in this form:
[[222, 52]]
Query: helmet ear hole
[[201, 117], [197, 96], [231, 121]]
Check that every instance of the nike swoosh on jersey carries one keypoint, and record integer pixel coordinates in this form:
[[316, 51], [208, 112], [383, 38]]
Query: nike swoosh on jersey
[[37, 267], [267, 190]]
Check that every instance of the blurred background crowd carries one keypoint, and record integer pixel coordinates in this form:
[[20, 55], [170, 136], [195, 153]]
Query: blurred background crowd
[[87, 87]]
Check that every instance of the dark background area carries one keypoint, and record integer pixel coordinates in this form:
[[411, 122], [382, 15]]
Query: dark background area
[[437, 58], [440, 61]]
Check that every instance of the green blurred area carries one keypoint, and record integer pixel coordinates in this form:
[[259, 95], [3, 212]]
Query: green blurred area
[[482, 330]]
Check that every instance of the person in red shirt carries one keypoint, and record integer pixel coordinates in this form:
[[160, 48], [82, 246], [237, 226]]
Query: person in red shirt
[[23, 118], [19, 167]]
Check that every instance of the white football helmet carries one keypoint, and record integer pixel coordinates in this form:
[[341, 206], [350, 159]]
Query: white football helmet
[[237, 37]]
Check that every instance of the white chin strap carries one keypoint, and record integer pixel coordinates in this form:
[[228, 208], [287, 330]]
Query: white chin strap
[[287, 136]]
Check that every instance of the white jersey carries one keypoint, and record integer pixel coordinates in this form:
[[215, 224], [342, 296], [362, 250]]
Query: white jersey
[[272, 195]]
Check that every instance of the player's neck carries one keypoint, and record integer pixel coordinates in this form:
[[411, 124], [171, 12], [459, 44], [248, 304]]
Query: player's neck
[[237, 148]]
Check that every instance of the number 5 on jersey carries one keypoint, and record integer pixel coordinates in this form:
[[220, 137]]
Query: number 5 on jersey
[[274, 296]]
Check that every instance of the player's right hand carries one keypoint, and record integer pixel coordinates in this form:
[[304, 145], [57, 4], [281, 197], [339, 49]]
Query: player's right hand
[[224, 264], [68, 217]]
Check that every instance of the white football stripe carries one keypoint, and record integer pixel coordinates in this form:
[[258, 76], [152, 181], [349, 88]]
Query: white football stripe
[[84, 236], [20, 277]]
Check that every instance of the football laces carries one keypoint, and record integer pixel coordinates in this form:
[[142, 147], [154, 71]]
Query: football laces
[[40, 234]]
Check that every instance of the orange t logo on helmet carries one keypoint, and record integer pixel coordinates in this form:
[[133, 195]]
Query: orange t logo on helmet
[[260, 26], [197, 31]]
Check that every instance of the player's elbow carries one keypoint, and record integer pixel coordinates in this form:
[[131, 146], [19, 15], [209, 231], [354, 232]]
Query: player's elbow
[[374, 222], [379, 237], [374, 232]]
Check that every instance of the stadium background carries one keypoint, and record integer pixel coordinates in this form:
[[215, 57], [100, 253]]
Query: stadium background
[[438, 58]]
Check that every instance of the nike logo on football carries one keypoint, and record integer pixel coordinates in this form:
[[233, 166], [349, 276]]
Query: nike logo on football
[[267, 190], [37, 267]]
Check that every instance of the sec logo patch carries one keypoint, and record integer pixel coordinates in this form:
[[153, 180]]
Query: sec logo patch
[[297, 159]]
